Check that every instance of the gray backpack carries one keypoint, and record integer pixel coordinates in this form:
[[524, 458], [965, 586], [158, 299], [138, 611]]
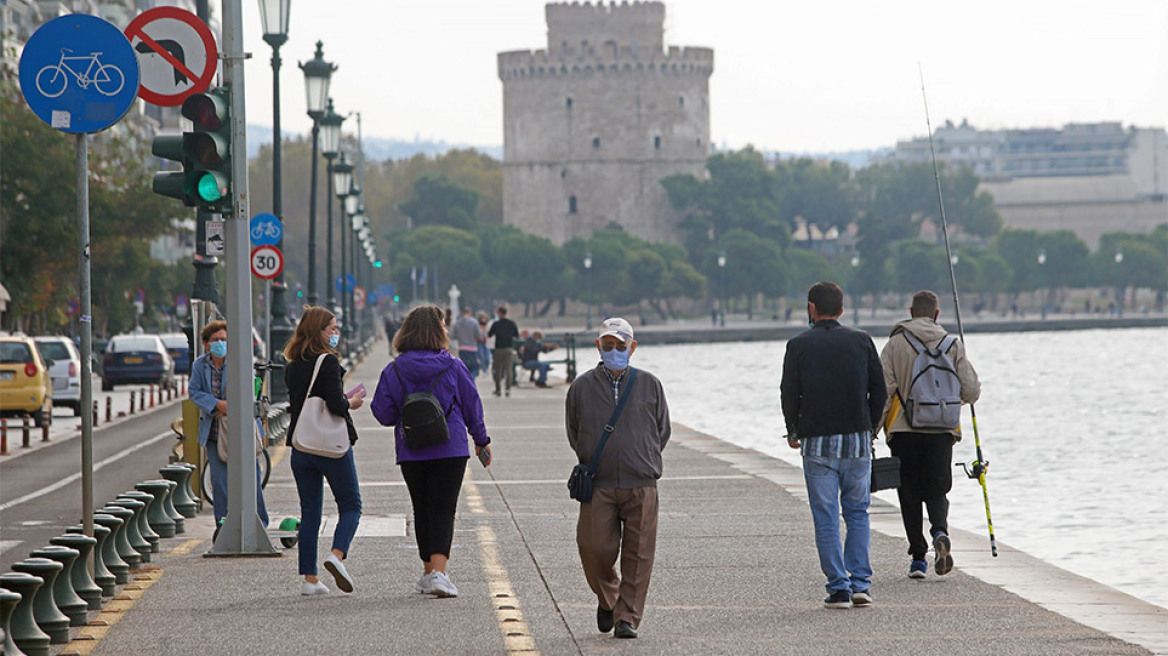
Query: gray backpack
[[934, 393]]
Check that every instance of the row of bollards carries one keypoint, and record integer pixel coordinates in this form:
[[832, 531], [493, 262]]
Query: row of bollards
[[52, 589], [26, 425]]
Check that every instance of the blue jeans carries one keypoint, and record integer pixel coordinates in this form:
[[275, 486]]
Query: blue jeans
[[310, 471], [543, 367], [471, 360], [484, 357], [832, 483], [219, 485]]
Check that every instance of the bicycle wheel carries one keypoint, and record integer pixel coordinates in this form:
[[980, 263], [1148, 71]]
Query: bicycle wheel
[[205, 487], [53, 84], [264, 460], [109, 80]]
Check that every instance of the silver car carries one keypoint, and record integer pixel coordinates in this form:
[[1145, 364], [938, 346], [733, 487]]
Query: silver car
[[64, 370]]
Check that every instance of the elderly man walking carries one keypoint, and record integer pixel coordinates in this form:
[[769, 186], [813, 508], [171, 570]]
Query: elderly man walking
[[621, 517], [833, 395]]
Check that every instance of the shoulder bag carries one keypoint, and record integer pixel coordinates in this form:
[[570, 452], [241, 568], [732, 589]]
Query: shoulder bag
[[580, 482], [319, 431], [221, 440]]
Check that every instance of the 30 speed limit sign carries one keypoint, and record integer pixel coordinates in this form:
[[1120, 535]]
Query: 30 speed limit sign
[[266, 262]]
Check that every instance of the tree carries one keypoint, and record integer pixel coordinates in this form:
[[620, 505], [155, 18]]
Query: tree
[[754, 265], [438, 200], [443, 251], [529, 268], [820, 194]]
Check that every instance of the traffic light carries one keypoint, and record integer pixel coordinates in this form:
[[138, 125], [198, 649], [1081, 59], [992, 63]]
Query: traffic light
[[377, 264], [205, 153]]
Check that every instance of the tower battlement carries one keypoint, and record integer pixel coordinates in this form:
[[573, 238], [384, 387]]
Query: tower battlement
[[638, 24], [520, 64]]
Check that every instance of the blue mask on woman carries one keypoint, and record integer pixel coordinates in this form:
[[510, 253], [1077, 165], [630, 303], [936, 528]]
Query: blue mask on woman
[[615, 360], [334, 339], [219, 349]]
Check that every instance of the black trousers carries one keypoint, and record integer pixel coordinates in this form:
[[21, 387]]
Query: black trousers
[[434, 487], [926, 476]]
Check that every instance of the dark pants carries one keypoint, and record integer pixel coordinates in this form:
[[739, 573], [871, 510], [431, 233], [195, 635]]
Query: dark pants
[[471, 360], [926, 476], [310, 472], [434, 486]]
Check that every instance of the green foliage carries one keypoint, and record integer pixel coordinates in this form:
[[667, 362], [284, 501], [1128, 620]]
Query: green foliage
[[808, 267], [754, 265], [438, 200], [1127, 259]]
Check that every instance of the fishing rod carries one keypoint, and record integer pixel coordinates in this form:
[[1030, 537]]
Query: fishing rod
[[980, 465]]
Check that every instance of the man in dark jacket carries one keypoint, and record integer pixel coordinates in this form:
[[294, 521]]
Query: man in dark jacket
[[833, 395], [504, 331], [621, 518]]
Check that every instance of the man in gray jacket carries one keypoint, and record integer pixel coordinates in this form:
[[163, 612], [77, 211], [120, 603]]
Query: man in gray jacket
[[623, 509]]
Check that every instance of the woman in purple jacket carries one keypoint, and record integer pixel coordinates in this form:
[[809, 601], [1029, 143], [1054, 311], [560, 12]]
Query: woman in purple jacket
[[433, 473]]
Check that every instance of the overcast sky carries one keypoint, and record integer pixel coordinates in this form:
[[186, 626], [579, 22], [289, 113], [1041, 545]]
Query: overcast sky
[[795, 76]]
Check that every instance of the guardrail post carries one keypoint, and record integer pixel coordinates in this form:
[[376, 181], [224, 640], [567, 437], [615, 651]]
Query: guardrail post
[[109, 408], [24, 430]]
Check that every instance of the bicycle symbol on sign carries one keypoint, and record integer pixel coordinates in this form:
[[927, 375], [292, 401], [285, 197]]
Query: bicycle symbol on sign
[[52, 80], [265, 229]]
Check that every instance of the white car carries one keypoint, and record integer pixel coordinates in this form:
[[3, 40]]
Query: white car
[[64, 369]]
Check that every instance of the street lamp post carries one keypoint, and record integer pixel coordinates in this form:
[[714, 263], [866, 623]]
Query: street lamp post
[[721, 288], [855, 283], [350, 206], [342, 180], [330, 147], [588, 289], [1042, 276], [317, 76], [1121, 287]]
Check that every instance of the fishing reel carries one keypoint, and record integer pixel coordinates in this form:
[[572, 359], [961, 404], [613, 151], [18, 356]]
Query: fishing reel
[[975, 469]]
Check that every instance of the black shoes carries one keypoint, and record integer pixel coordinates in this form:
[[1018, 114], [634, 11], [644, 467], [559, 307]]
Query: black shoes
[[603, 619], [624, 630]]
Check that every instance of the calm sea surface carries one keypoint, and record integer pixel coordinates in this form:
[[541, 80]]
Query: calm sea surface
[[1073, 424]]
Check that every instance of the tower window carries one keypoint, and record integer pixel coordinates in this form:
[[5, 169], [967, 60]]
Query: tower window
[[681, 100], [563, 173], [596, 143], [657, 143], [571, 204], [699, 142], [568, 103]]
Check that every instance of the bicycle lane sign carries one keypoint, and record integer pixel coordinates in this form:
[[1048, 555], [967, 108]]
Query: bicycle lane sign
[[79, 74], [265, 230]]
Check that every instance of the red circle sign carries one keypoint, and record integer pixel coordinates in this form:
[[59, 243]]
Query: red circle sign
[[266, 262], [176, 54]]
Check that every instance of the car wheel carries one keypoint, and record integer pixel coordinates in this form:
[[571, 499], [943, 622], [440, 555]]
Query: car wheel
[[107, 386]]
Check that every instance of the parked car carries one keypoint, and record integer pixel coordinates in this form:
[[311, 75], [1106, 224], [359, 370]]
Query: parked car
[[25, 386], [179, 350], [64, 369], [137, 359]]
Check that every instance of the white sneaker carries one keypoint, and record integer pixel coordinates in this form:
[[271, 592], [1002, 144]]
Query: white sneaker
[[317, 588], [440, 585], [337, 569], [423, 583]]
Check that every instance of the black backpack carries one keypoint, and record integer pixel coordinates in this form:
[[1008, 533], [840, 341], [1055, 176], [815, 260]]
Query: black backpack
[[423, 421]]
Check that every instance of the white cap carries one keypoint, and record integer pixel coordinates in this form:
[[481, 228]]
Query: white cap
[[618, 328]]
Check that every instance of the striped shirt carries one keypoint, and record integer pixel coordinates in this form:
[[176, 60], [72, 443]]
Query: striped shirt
[[615, 381], [847, 445]]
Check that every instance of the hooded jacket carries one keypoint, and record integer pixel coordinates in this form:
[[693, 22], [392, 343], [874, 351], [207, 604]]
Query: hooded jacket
[[456, 392], [898, 356]]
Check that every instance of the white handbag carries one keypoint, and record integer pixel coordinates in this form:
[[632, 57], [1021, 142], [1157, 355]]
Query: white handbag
[[319, 431]]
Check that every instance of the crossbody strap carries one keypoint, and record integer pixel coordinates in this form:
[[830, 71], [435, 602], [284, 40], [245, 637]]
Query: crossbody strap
[[611, 425], [315, 371]]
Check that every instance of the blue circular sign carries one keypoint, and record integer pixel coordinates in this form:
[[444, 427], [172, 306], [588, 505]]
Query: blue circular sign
[[265, 230], [79, 73], [345, 283]]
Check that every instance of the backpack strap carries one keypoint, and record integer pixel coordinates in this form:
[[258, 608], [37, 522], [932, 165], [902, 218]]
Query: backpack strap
[[916, 344], [611, 425]]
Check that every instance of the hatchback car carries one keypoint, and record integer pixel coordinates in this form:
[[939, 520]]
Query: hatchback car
[[179, 350], [139, 359], [64, 369], [25, 386]]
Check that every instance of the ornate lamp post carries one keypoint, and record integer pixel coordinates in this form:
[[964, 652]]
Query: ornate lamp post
[[722, 287], [855, 283], [1042, 275], [1122, 286], [342, 180], [317, 76], [330, 146], [350, 206], [588, 289]]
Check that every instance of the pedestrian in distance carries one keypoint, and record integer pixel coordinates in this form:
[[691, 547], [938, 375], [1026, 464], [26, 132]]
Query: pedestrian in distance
[[207, 390], [432, 468], [317, 335], [832, 396], [484, 348], [621, 518], [466, 333], [529, 356], [504, 331], [925, 444]]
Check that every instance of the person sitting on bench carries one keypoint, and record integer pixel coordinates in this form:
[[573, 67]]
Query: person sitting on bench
[[529, 356]]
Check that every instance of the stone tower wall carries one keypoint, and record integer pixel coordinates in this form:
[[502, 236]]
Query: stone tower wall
[[592, 124]]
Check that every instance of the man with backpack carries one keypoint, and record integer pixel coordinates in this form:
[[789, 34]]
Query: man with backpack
[[928, 378]]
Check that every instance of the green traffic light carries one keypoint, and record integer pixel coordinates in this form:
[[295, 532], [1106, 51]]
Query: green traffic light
[[211, 186], [377, 264], [396, 298], [299, 294]]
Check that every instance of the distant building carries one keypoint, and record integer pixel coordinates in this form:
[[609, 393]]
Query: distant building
[[594, 122], [1090, 178]]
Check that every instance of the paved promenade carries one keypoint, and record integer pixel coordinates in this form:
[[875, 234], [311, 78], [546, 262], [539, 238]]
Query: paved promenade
[[736, 571]]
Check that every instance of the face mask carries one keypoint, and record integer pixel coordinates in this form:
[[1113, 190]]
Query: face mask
[[615, 360], [219, 349], [333, 340]]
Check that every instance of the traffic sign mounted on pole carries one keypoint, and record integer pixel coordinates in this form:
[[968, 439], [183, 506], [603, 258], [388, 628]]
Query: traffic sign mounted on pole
[[359, 298], [176, 53], [266, 230], [79, 74], [266, 262]]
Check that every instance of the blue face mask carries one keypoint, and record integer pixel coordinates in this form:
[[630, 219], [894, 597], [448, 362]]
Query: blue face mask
[[333, 340], [615, 360], [219, 349]]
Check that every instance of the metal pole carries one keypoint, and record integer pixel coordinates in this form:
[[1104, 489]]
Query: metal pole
[[86, 326], [312, 214], [346, 330], [329, 283]]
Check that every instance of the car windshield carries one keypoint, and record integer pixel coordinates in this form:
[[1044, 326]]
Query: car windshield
[[134, 344], [175, 341], [15, 353], [54, 351]]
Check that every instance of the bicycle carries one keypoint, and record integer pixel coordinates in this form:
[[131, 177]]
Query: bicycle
[[106, 78], [260, 415]]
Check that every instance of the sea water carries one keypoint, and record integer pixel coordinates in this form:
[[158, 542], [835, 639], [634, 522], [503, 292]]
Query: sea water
[[1074, 426]]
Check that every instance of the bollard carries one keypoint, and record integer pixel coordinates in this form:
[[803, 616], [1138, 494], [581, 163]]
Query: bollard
[[24, 427], [8, 602], [143, 525], [44, 606], [137, 540], [181, 496], [3, 436], [83, 583], [190, 483], [23, 627], [66, 598], [45, 431], [168, 504], [158, 518], [152, 393], [102, 576], [131, 401], [117, 567], [95, 414], [142, 399], [184, 385], [122, 536], [109, 408]]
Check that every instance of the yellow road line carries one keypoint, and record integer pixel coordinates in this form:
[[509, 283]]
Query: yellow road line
[[87, 640], [186, 547]]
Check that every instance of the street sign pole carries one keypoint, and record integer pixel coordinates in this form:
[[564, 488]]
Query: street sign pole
[[86, 325], [242, 533]]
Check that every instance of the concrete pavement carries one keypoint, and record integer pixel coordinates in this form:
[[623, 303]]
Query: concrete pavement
[[736, 571]]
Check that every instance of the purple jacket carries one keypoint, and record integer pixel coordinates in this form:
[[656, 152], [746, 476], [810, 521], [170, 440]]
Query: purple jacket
[[456, 392]]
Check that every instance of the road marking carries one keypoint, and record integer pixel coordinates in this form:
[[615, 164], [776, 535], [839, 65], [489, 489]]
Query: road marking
[[74, 477], [186, 547]]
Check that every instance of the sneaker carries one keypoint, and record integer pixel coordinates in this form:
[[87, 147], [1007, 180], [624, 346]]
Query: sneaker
[[337, 569], [943, 563], [317, 588], [440, 585], [839, 599], [862, 598], [422, 584], [917, 569], [496, 392]]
